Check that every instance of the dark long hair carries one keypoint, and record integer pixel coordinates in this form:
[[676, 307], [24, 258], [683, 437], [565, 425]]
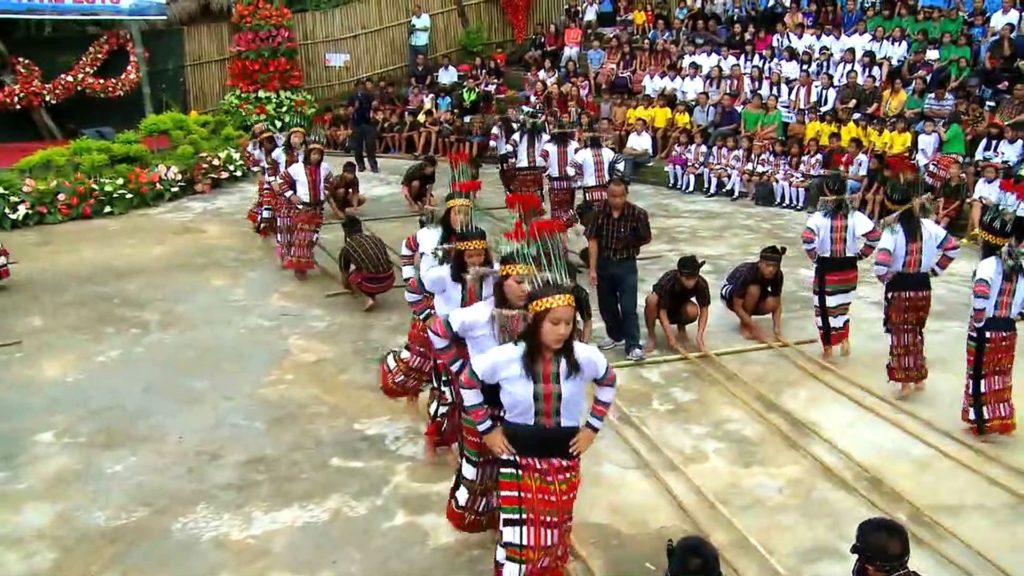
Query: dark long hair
[[500, 299], [533, 353], [448, 231], [910, 221]]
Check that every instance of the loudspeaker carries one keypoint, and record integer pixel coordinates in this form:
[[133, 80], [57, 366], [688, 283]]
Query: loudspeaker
[[98, 133]]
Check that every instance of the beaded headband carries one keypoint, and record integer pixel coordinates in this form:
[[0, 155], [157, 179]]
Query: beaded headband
[[299, 130], [549, 302], [455, 202], [515, 270], [315, 146], [471, 245], [992, 239]]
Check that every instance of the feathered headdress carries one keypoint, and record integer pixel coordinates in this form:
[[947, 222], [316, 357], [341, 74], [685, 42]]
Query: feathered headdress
[[900, 164], [525, 206]]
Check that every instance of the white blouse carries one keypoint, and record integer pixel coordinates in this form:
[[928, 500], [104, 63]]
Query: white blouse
[[300, 185], [503, 366], [448, 294], [938, 250], [988, 281], [817, 235]]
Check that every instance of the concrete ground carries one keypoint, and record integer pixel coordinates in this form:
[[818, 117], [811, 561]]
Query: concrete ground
[[181, 406]]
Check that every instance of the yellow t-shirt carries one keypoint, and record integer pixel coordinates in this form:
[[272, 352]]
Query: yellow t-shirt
[[826, 130], [878, 140], [849, 132], [645, 113], [899, 142], [681, 120], [811, 131], [631, 116], [639, 17], [660, 116]]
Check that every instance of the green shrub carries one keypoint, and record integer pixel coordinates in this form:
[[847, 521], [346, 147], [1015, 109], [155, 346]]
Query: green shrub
[[128, 137], [473, 40]]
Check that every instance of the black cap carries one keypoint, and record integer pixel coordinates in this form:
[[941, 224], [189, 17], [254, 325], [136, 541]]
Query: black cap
[[773, 254], [693, 556], [883, 544], [689, 265]]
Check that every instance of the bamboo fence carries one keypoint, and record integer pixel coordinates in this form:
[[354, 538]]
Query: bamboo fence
[[374, 32]]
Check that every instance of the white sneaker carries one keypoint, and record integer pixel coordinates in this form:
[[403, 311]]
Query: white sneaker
[[636, 354], [608, 343]]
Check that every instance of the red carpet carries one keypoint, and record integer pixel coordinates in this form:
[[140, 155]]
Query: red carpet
[[11, 152]]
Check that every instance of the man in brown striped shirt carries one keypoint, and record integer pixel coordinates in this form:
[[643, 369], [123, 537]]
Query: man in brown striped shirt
[[615, 236], [365, 265]]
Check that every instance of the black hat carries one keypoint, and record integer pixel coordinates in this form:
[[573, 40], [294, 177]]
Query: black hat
[[883, 544], [689, 265], [996, 229], [773, 254], [692, 556]]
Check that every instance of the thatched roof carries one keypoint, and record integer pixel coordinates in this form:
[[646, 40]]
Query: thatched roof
[[181, 12]]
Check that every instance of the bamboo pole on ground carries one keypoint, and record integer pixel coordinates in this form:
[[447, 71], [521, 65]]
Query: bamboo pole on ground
[[10, 343], [695, 355]]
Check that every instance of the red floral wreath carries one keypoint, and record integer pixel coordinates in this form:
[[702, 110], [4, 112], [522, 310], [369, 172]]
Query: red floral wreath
[[517, 11], [29, 90]]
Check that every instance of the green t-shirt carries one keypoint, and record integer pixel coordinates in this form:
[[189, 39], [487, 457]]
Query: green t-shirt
[[875, 22], [952, 26], [918, 44], [908, 23], [962, 52], [946, 52], [954, 142], [914, 102], [933, 28], [751, 119], [916, 26], [774, 118]]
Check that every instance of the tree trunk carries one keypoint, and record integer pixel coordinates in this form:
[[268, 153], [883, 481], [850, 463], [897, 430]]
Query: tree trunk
[[40, 116], [460, 9], [140, 55]]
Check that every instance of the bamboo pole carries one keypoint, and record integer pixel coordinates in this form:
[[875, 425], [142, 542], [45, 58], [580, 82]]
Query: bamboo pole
[[695, 355], [140, 55], [10, 343]]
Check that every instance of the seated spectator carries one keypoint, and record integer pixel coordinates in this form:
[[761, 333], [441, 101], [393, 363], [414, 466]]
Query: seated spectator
[[638, 150], [421, 76], [447, 75]]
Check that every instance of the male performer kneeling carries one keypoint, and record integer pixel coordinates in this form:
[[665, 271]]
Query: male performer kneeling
[[755, 289], [365, 265], [679, 297]]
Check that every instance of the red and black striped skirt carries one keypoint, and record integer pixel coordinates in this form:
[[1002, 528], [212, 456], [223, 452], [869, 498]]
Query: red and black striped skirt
[[372, 284], [908, 301], [988, 393]]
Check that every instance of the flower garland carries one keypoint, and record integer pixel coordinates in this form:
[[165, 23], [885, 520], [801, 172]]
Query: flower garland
[[517, 12], [264, 71], [29, 91]]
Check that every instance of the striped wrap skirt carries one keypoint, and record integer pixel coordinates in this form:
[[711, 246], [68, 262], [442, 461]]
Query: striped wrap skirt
[[595, 194], [563, 200], [908, 301], [938, 169], [305, 223], [473, 498], [536, 497], [988, 393], [372, 284], [528, 181], [444, 420], [835, 284], [284, 211], [405, 372]]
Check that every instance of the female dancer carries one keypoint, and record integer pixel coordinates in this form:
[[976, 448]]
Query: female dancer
[[467, 333], [992, 343], [463, 282], [261, 214], [405, 372], [5, 265], [526, 146], [541, 381], [830, 241], [911, 251], [305, 186], [292, 152]]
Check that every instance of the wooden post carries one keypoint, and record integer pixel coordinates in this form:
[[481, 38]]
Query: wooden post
[[40, 116], [140, 55], [460, 9]]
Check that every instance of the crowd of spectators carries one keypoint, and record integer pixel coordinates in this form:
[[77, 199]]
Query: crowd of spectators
[[745, 92]]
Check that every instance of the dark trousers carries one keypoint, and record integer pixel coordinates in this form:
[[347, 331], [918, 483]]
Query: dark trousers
[[364, 137], [616, 300]]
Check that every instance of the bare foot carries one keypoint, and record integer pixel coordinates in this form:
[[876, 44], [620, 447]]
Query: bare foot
[[844, 348], [453, 459], [370, 305], [747, 333], [903, 392], [826, 353], [918, 386], [650, 345], [300, 275]]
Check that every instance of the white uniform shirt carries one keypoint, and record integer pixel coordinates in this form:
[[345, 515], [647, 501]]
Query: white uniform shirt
[[641, 141]]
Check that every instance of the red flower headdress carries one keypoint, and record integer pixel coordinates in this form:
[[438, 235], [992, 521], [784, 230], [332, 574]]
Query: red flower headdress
[[1012, 185], [524, 204], [900, 164]]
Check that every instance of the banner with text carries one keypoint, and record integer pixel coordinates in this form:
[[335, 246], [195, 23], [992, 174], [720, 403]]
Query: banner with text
[[85, 9]]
